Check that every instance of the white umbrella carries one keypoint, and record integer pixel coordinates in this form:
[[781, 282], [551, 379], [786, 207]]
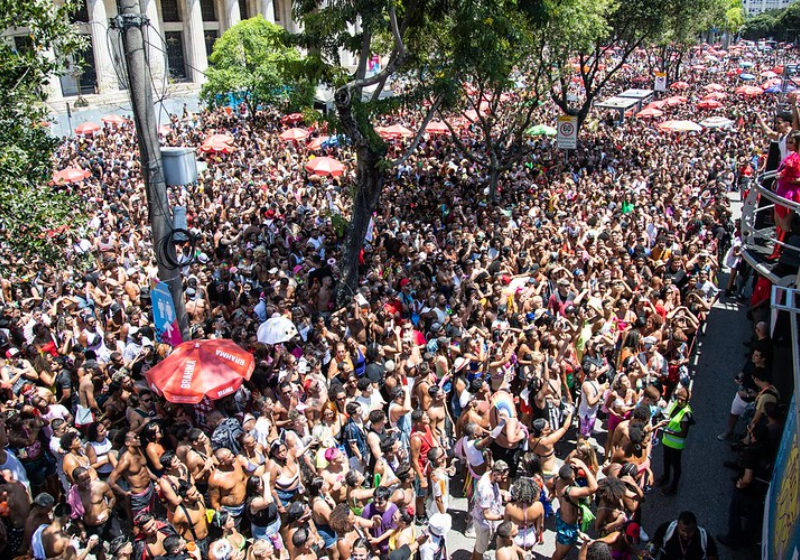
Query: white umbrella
[[276, 330], [716, 122]]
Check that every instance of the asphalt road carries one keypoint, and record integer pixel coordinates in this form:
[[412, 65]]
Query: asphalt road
[[706, 485]]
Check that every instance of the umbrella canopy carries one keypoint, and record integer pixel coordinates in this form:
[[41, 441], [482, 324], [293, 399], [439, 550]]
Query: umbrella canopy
[[716, 122], [87, 128], [113, 119], [219, 139], [746, 64], [777, 89], [292, 118], [199, 368], [768, 74], [675, 100], [541, 130], [750, 91], [770, 83], [714, 87], [70, 175], [718, 95], [679, 85], [747, 77], [436, 127], [709, 104], [294, 134], [325, 166], [680, 126], [396, 131], [217, 148], [656, 104], [316, 143], [276, 330], [649, 113]]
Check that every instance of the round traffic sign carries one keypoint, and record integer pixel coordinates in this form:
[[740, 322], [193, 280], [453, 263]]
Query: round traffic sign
[[566, 128]]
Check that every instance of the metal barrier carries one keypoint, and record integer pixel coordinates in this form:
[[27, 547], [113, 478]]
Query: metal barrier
[[752, 253]]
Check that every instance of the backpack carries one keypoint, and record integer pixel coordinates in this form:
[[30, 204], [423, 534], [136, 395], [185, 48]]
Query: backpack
[[227, 435], [671, 531]]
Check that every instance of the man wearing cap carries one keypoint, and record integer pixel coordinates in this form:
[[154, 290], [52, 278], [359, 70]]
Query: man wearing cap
[[488, 508], [435, 548], [656, 366], [40, 514]]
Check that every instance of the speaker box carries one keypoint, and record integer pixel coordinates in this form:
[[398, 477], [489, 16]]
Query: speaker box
[[180, 166]]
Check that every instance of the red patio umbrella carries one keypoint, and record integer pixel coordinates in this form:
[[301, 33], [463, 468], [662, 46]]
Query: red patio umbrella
[[717, 95], [709, 104], [217, 148], [292, 118], [294, 134], [680, 126], [436, 127], [87, 128], [325, 166], [656, 104], [198, 368], [714, 87], [219, 139], [771, 82], [649, 113], [113, 120], [675, 100], [316, 143], [70, 175], [679, 85], [749, 91], [397, 131]]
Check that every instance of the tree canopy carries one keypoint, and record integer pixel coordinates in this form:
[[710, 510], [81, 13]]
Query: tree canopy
[[780, 25], [30, 210], [253, 59]]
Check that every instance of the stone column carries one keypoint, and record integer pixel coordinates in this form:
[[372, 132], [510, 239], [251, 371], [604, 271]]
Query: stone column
[[232, 13], [103, 62], [53, 86], [157, 47], [268, 10], [196, 56]]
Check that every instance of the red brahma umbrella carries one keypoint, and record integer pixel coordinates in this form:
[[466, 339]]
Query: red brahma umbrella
[[292, 118], [70, 175], [113, 119], [325, 166], [679, 85], [649, 113], [709, 104], [294, 135], [436, 127], [199, 368], [88, 128]]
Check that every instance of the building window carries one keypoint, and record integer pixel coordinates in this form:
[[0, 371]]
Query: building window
[[169, 11], [175, 56], [23, 43], [81, 13], [244, 13], [209, 36], [209, 10]]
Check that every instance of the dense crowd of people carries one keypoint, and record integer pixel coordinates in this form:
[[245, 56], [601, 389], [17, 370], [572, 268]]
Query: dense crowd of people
[[527, 351]]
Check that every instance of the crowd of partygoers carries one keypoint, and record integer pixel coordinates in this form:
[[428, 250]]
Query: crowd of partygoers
[[531, 351]]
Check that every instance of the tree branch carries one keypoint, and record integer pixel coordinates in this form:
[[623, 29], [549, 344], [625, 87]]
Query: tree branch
[[413, 147]]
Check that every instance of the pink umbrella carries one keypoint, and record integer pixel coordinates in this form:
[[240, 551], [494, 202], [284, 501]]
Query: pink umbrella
[[709, 104], [649, 113], [770, 83], [87, 128], [656, 105], [749, 91], [325, 166], [316, 143], [292, 118], [294, 134], [769, 74], [436, 127], [113, 120], [680, 126], [714, 87], [219, 139], [217, 148], [716, 95], [676, 100], [396, 131], [680, 85], [70, 175]]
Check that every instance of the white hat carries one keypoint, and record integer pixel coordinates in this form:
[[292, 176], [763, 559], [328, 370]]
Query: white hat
[[439, 524], [460, 363], [389, 365]]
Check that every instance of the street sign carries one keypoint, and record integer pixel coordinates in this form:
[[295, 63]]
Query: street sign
[[164, 317], [567, 132], [661, 81]]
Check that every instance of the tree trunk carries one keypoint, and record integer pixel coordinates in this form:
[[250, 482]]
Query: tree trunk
[[494, 177], [369, 177]]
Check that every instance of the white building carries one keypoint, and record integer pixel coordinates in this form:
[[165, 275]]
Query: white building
[[180, 38], [755, 7]]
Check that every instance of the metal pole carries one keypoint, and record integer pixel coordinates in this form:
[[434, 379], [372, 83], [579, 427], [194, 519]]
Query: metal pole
[[130, 22], [69, 119]]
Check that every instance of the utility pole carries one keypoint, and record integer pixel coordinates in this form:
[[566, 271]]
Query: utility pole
[[130, 22]]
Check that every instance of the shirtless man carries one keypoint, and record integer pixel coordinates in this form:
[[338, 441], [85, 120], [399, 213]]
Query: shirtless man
[[227, 485], [323, 299], [155, 532], [75, 455], [287, 401], [132, 467], [190, 519], [348, 527], [55, 542], [196, 307], [437, 412], [15, 494], [199, 459], [506, 549], [568, 494], [335, 472], [98, 508], [426, 380], [88, 407], [40, 514]]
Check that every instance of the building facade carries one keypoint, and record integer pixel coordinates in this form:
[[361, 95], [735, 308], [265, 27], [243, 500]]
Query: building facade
[[179, 40], [755, 7]]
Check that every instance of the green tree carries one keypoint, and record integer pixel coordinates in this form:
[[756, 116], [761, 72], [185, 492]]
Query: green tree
[[253, 59], [29, 207]]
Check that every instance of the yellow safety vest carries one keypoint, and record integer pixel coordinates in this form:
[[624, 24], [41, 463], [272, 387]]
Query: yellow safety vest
[[672, 440]]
